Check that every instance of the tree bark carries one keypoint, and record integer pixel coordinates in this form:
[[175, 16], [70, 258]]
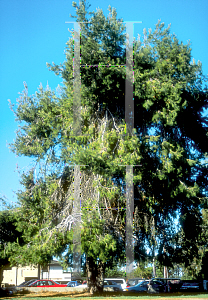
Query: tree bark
[[95, 273], [154, 269], [165, 272], [100, 277]]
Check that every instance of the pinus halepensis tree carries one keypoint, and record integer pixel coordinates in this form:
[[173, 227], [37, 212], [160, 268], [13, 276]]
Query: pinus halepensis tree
[[169, 143]]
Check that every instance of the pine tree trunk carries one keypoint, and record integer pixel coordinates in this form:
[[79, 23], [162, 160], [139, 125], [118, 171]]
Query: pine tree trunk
[[154, 269], [165, 272], [95, 273]]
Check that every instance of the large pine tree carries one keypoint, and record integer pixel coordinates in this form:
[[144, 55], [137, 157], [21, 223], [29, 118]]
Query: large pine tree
[[169, 142]]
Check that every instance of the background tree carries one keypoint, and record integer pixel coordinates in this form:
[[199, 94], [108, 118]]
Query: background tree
[[8, 234], [143, 270]]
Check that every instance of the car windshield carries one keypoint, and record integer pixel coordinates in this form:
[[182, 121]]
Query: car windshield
[[27, 282], [34, 283]]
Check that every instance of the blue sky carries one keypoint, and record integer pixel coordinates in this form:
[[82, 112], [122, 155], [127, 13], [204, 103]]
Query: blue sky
[[34, 32]]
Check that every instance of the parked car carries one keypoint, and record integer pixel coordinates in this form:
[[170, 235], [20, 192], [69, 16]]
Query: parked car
[[150, 286], [84, 283], [12, 289], [157, 286], [120, 281], [190, 286], [134, 281], [112, 284], [45, 283], [170, 284], [80, 281], [139, 287], [74, 283]]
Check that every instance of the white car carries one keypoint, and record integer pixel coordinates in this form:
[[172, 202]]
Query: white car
[[116, 287], [119, 281]]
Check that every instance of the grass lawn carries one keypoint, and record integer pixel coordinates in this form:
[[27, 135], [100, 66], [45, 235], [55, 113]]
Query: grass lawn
[[55, 296]]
